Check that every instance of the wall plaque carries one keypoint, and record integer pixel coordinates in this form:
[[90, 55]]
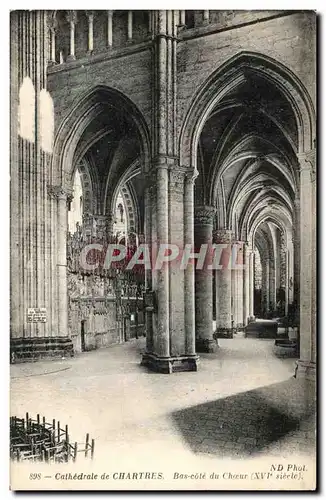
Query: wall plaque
[[36, 315]]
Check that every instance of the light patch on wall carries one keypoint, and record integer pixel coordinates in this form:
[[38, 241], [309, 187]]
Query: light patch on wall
[[26, 110], [75, 215], [46, 121]]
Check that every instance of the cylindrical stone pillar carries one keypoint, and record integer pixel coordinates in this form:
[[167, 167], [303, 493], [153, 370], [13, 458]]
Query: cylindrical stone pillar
[[251, 283], [72, 18], [223, 237], [237, 285], [206, 16], [109, 33], [296, 238], [306, 366], [52, 35], [246, 284], [149, 199], [162, 338], [272, 285], [204, 281], [189, 275], [62, 228], [129, 25], [90, 31]]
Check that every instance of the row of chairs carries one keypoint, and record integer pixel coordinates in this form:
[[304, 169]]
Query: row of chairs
[[37, 440]]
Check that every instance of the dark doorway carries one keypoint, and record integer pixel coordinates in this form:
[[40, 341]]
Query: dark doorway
[[82, 335]]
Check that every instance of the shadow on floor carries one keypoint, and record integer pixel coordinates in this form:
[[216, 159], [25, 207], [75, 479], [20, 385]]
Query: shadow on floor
[[247, 423]]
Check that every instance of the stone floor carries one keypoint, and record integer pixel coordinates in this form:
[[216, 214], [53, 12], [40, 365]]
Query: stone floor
[[242, 403]]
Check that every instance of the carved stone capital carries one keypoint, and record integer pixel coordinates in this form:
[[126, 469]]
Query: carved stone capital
[[191, 176], [222, 236], [71, 16], [307, 162], [204, 214], [89, 14], [177, 178], [60, 193], [52, 21]]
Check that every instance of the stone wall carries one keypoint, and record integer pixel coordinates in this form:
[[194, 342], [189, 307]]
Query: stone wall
[[127, 70], [287, 38]]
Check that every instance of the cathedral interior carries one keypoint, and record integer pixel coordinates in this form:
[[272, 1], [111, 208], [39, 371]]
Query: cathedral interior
[[166, 127]]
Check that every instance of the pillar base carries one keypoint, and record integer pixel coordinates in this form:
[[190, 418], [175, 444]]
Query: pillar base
[[223, 333], [170, 365], [305, 370], [206, 345], [25, 349], [71, 58]]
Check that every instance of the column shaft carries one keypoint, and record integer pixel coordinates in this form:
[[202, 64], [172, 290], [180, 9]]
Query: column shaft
[[246, 285], [62, 265], [129, 25], [223, 285], [72, 39], [237, 276], [52, 32], [90, 32], [204, 282], [148, 272], [251, 284], [110, 15], [306, 366], [189, 275], [162, 341]]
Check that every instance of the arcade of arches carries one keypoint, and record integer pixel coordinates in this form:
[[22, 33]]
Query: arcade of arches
[[186, 128]]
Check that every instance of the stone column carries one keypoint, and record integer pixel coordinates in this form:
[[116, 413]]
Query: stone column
[[52, 45], [237, 285], [162, 339], [251, 283], [272, 284], [290, 267], [62, 227], [306, 366], [72, 19], [204, 281], [287, 277], [129, 25], [265, 283], [182, 17], [206, 16], [149, 200], [172, 346], [296, 239], [189, 274], [246, 284], [110, 16], [90, 16], [223, 285]]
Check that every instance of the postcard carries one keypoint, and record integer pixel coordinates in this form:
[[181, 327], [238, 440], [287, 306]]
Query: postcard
[[163, 250]]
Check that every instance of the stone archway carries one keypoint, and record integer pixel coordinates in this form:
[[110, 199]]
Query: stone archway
[[267, 168], [97, 106]]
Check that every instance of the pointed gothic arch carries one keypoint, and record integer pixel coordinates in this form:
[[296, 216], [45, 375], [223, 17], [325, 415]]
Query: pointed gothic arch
[[79, 117], [226, 79]]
